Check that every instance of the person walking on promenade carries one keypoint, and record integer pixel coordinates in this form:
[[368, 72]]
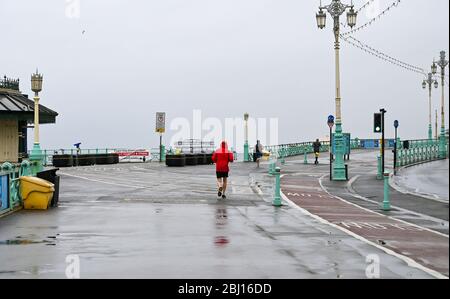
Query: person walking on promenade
[[258, 152], [316, 147], [222, 157]]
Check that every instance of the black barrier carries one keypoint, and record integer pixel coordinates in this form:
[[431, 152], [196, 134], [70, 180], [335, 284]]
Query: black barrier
[[63, 160], [50, 176], [176, 160], [191, 159]]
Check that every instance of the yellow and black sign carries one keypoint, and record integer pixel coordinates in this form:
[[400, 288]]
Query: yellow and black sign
[[160, 122]]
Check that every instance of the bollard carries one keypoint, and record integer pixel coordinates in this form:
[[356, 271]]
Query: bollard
[[272, 168], [277, 194], [380, 171], [163, 153], [386, 201], [305, 153]]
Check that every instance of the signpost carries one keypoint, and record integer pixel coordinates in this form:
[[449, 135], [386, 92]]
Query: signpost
[[161, 129], [383, 142], [331, 125]]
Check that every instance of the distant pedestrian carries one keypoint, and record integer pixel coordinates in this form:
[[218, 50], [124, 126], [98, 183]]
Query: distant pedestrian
[[222, 157], [258, 152], [316, 147]]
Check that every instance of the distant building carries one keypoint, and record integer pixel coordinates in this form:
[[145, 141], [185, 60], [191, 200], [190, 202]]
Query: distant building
[[16, 113]]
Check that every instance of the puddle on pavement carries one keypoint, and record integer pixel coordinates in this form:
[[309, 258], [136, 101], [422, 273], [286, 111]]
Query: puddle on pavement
[[24, 241]]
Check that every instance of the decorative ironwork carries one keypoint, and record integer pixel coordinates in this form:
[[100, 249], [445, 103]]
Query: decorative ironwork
[[11, 84]]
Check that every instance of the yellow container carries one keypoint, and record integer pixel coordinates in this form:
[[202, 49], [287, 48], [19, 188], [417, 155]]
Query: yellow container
[[36, 193]]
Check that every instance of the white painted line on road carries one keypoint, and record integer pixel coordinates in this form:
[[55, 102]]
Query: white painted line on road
[[390, 217], [410, 262], [103, 182]]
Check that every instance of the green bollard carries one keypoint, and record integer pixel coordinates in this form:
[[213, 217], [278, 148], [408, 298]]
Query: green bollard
[[277, 195], [386, 201], [273, 167], [305, 153], [380, 171], [163, 153]]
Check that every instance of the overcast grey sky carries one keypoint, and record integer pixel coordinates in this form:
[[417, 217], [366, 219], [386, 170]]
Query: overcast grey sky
[[225, 57]]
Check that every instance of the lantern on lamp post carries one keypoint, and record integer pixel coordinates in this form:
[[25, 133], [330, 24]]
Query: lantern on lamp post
[[430, 82]]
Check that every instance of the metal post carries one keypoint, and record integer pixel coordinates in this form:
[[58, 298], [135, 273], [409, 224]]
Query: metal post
[[379, 172], [305, 153], [383, 111], [386, 201], [36, 153], [430, 127], [160, 148], [442, 139], [277, 195], [331, 153], [395, 152]]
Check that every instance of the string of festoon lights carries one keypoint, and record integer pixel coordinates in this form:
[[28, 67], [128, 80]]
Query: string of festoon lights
[[371, 21], [381, 55], [350, 39]]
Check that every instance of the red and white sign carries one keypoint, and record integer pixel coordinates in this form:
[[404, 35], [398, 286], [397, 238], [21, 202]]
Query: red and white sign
[[139, 153], [133, 155]]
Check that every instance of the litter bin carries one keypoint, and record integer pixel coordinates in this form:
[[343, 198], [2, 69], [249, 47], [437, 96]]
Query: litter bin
[[406, 144], [36, 193], [51, 176]]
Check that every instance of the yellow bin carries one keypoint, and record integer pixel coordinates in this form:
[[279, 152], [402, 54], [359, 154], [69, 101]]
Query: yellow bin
[[36, 193]]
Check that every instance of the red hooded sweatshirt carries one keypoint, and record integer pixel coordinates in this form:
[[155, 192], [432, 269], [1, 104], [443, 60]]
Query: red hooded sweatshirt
[[222, 157]]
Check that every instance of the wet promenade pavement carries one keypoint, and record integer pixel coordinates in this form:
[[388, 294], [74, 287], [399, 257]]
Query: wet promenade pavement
[[150, 221]]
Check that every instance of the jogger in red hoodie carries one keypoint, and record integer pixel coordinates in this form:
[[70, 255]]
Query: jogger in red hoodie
[[222, 157]]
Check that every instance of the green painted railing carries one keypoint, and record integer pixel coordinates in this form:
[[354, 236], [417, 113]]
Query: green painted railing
[[296, 149], [14, 172], [419, 151]]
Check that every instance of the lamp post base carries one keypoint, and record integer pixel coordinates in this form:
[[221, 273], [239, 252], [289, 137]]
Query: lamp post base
[[37, 157], [246, 155], [339, 172]]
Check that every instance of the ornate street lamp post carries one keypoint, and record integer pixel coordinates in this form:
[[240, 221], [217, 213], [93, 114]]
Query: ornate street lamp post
[[246, 146], [430, 82], [36, 153], [336, 9], [442, 63]]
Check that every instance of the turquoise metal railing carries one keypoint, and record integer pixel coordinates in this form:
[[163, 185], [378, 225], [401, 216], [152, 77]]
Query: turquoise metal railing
[[296, 149], [14, 172], [419, 151]]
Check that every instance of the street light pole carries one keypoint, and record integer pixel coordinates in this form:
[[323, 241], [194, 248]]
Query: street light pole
[[436, 134], [430, 82], [336, 9], [442, 63], [246, 146], [36, 153]]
